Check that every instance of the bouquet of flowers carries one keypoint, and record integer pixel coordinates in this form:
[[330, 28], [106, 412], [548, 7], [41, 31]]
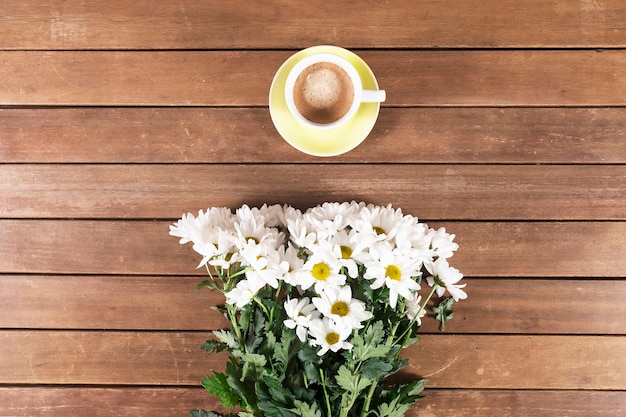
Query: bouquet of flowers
[[321, 304]]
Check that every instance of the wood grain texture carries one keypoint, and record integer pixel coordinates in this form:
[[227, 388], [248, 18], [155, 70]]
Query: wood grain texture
[[478, 361], [505, 306], [453, 361], [484, 192], [505, 123], [168, 402], [243, 78], [509, 403], [540, 249], [196, 24], [401, 135]]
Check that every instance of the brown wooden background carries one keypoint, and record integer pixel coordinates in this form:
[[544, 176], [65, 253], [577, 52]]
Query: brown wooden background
[[505, 123]]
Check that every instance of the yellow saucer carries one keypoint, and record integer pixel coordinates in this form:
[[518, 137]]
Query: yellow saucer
[[318, 142]]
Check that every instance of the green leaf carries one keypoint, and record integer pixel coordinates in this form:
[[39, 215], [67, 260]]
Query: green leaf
[[444, 312], [256, 331], [253, 365], [310, 362], [370, 344], [218, 386], [393, 409], [213, 346], [285, 350], [350, 382], [267, 388], [227, 338], [418, 387], [202, 413], [205, 283], [375, 333], [274, 399], [375, 369], [305, 409]]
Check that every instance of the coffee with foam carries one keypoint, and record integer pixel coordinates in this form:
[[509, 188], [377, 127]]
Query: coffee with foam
[[323, 92]]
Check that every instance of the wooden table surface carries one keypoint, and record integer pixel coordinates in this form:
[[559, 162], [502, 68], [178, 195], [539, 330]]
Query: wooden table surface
[[505, 122]]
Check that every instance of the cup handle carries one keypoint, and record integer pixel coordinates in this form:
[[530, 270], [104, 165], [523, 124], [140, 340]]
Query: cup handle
[[373, 96]]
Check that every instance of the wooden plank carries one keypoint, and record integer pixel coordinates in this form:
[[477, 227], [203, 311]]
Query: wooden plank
[[171, 402], [507, 403], [107, 302], [448, 361], [243, 78], [103, 402], [509, 306], [487, 249], [520, 362], [477, 192], [538, 306], [103, 357], [195, 24], [402, 135]]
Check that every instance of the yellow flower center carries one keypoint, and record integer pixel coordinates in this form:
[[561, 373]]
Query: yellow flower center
[[320, 271], [346, 252], [393, 272], [252, 238], [332, 338], [340, 308], [379, 230]]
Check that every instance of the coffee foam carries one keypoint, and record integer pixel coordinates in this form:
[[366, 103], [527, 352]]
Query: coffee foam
[[323, 92]]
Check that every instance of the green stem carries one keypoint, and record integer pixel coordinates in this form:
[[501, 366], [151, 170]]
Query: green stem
[[366, 405], [417, 315], [370, 394], [330, 414], [232, 315], [428, 297], [265, 310]]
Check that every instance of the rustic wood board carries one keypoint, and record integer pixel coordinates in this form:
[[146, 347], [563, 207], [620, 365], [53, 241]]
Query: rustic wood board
[[235, 78], [540, 249], [168, 402], [420, 135], [273, 24], [453, 361], [169, 303], [505, 123]]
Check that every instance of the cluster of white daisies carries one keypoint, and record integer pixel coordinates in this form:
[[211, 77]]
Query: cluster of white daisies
[[321, 253]]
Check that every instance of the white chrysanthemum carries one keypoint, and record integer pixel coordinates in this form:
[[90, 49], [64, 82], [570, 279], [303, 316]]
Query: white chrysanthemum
[[447, 278], [329, 335], [300, 312], [272, 215], [301, 232], [351, 250], [392, 270], [207, 232], [329, 218], [377, 223], [204, 227], [250, 229], [222, 254], [413, 306], [321, 270], [256, 257], [413, 240], [185, 228], [288, 261], [338, 304], [442, 243], [244, 291]]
